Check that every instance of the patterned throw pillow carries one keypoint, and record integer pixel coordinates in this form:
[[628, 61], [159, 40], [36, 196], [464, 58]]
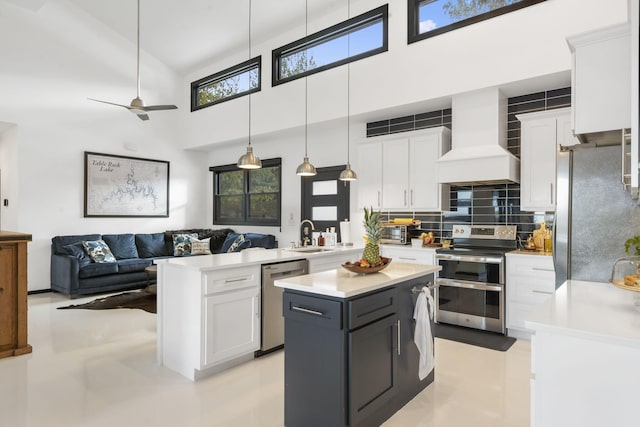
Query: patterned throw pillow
[[201, 247], [98, 251], [182, 243], [239, 244]]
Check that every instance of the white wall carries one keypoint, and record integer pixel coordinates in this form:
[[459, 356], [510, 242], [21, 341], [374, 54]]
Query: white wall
[[522, 52], [52, 60]]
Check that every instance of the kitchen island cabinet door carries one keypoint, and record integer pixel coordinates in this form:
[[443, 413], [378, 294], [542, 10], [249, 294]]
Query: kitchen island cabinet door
[[372, 349], [231, 325], [409, 356]]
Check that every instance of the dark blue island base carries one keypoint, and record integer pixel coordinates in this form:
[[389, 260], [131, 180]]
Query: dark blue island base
[[351, 361]]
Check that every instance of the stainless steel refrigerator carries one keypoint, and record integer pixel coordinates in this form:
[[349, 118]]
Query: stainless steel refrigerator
[[594, 214]]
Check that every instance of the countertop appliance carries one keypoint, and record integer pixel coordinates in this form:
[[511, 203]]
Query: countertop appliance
[[594, 214], [471, 286], [272, 321], [397, 234]]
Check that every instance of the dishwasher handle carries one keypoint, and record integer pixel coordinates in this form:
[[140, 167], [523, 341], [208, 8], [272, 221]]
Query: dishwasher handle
[[288, 273]]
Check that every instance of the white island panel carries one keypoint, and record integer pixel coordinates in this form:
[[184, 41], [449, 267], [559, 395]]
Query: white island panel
[[584, 357]]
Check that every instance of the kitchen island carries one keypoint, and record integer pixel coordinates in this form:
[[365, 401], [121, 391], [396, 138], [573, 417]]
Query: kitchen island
[[350, 356], [584, 357], [209, 306]]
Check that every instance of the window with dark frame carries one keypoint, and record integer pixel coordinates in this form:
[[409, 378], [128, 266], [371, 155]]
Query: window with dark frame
[[428, 18], [238, 80], [247, 196], [356, 38]]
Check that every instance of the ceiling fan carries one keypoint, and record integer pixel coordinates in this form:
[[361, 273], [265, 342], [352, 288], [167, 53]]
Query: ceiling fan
[[137, 106]]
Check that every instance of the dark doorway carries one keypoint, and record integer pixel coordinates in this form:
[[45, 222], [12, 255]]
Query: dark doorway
[[325, 199]]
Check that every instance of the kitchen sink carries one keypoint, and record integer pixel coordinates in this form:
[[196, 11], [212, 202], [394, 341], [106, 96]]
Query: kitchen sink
[[309, 250]]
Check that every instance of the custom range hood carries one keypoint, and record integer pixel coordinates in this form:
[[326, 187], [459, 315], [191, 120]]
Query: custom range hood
[[478, 141]]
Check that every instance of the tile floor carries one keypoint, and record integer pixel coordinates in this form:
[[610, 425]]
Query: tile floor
[[98, 368]]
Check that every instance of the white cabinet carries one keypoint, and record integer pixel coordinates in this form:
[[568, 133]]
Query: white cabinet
[[408, 254], [399, 173], [530, 281], [207, 320], [395, 174], [541, 132], [231, 325], [601, 79], [369, 170]]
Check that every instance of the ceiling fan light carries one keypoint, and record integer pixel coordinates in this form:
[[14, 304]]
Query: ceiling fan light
[[306, 168], [348, 174], [249, 160]]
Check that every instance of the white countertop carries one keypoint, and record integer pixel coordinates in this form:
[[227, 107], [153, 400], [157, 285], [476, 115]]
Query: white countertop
[[592, 310], [534, 253], [253, 257], [344, 284]]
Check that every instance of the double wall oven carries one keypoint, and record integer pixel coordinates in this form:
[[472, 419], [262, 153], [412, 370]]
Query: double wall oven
[[471, 285]]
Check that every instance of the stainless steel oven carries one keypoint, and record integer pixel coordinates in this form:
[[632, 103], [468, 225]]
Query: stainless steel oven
[[471, 284]]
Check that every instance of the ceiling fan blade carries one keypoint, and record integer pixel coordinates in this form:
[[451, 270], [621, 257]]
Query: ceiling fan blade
[[143, 116], [110, 103], [159, 107]]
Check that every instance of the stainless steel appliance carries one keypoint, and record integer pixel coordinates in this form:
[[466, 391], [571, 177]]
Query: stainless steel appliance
[[396, 234], [272, 321], [471, 285], [594, 213]]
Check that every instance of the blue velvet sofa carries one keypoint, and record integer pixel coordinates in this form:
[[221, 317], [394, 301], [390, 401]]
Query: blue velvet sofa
[[75, 273]]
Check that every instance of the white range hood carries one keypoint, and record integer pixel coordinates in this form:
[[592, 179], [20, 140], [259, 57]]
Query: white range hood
[[478, 141]]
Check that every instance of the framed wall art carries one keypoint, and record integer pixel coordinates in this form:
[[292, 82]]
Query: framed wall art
[[121, 186]]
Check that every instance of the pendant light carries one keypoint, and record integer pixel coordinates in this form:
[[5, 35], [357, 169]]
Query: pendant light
[[348, 174], [306, 168], [249, 160]]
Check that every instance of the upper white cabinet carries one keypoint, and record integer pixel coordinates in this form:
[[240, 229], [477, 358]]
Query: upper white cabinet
[[541, 132], [399, 173], [369, 181], [601, 79]]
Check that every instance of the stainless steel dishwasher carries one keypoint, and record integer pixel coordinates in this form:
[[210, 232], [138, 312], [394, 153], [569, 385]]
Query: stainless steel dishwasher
[[272, 321]]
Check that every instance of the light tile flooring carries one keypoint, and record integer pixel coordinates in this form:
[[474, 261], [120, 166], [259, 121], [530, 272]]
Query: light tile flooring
[[98, 368]]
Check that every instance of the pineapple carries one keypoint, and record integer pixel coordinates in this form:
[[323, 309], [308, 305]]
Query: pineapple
[[373, 230]]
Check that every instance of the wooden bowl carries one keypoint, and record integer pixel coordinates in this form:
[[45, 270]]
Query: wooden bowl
[[355, 268]]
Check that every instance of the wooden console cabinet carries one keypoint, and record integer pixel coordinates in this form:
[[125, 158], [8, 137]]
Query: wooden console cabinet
[[13, 294]]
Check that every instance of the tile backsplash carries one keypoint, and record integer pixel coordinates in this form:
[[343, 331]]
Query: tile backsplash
[[479, 205]]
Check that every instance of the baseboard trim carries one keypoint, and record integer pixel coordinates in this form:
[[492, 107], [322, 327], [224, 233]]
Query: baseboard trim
[[40, 291]]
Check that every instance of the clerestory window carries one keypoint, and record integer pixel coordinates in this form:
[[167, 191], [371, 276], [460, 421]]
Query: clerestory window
[[356, 38]]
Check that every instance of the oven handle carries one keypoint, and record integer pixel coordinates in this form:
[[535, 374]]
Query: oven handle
[[470, 258], [468, 285]]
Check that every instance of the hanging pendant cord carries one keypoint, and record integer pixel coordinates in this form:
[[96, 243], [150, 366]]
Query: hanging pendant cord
[[138, 55], [348, 87], [306, 85], [249, 77]]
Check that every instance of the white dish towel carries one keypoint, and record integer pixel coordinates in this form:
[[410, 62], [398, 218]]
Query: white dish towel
[[423, 337]]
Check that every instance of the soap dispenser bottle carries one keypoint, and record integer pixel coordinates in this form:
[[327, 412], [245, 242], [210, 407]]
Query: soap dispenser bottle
[[321, 240]]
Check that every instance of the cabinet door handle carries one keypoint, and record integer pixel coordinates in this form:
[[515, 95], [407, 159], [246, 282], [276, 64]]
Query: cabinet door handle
[[551, 193], [307, 311], [411, 194], [405, 197], [542, 269], [379, 203], [241, 279], [542, 292], [408, 259], [398, 338]]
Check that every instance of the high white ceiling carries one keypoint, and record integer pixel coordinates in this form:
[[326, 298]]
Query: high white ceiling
[[184, 34]]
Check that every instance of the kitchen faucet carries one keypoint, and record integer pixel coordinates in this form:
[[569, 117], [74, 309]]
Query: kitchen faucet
[[305, 232]]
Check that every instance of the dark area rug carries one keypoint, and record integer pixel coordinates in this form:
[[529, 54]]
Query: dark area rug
[[475, 337], [142, 299]]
